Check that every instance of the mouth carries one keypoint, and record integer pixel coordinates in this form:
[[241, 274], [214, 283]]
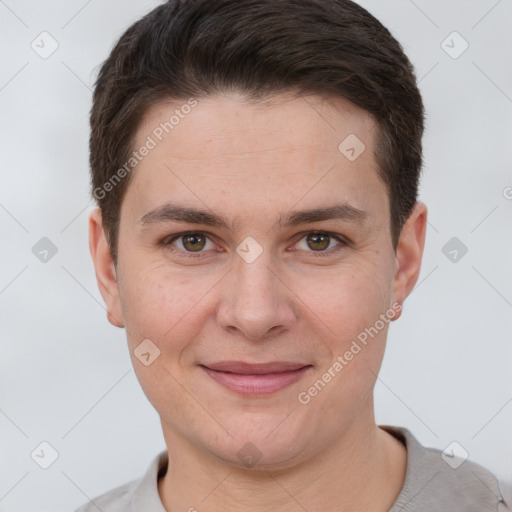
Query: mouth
[[257, 379]]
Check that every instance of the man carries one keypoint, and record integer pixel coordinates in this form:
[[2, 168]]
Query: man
[[256, 166]]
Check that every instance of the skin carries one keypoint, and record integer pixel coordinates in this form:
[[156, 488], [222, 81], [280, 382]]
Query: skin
[[294, 302]]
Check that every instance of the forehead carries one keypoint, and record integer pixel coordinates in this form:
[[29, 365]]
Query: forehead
[[263, 156], [282, 119]]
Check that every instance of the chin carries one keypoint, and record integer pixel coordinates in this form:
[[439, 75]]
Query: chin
[[256, 448]]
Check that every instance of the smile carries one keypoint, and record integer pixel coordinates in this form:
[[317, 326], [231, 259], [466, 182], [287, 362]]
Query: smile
[[256, 380]]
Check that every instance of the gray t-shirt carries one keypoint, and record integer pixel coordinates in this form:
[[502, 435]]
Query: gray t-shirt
[[431, 485]]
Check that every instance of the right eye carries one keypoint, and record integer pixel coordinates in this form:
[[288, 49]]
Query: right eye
[[191, 242]]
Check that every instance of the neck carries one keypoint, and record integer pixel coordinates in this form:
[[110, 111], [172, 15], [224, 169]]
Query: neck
[[363, 470]]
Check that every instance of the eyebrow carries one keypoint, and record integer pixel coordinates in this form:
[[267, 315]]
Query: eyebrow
[[172, 212]]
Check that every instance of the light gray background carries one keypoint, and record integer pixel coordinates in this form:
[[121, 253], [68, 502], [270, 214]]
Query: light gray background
[[65, 373]]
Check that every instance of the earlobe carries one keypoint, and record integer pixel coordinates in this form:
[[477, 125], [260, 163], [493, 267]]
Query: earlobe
[[409, 253], [106, 275]]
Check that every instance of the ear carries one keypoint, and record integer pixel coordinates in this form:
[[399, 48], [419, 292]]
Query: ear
[[105, 268], [409, 253]]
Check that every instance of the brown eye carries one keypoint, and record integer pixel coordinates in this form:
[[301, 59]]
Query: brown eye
[[322, 243], [194, 242], [190, 244], [318, 241]]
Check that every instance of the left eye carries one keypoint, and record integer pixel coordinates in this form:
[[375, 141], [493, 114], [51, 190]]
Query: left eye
[[319, 241]]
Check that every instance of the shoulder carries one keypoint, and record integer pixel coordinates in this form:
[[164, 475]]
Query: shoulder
[[112, 501], [437, 480], [139, 494]]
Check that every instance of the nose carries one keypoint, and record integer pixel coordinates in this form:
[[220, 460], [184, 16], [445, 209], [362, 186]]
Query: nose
[[257, 303]]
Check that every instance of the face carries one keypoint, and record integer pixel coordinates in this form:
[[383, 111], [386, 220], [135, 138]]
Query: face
[[255, 255]]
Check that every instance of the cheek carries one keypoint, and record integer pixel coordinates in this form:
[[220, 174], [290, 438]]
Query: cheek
[[158, 306], [168, 311], [354, 347], [349, 308], [350, 298]]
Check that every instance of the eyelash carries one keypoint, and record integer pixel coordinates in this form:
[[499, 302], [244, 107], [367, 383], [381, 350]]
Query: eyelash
[[167, 242]]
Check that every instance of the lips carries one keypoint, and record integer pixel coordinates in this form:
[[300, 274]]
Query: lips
[[243, 368], [255, 378]]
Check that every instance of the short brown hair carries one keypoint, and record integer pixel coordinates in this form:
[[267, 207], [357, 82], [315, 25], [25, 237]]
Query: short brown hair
[[198, 48]]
